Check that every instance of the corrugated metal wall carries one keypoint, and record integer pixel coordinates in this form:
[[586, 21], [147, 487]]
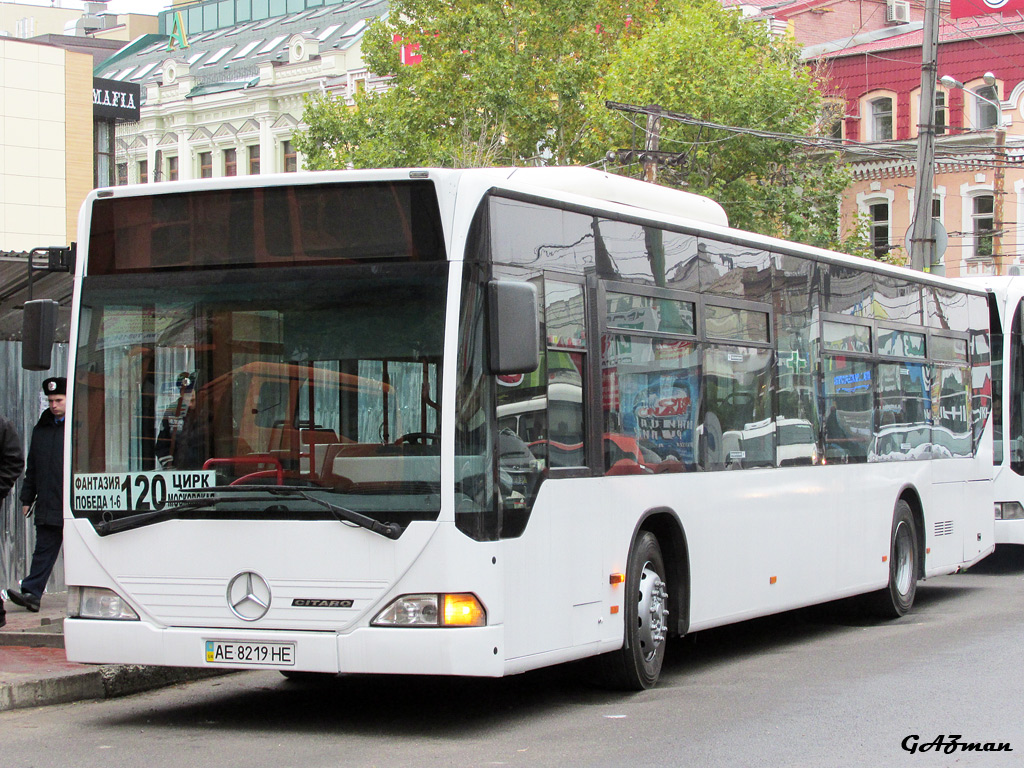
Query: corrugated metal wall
[[21, 401]]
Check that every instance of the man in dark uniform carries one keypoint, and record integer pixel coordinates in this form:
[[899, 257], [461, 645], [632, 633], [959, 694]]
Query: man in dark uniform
[[44, 485], [167, 449], [12, 462]]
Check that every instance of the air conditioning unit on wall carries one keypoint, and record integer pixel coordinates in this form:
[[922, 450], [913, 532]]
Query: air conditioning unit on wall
[[897, 10]]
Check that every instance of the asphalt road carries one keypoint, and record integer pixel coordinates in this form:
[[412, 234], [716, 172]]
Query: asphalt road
[[820, 687]]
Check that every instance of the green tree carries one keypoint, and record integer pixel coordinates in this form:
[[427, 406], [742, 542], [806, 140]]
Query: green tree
[[708, 63], [499, 83], [524, 82]]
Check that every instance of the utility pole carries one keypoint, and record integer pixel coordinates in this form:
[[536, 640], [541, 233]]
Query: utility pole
[[998, 194], [651, 143], [922, 237]]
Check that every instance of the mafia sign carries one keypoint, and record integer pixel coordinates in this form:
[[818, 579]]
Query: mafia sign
[[114, 100]]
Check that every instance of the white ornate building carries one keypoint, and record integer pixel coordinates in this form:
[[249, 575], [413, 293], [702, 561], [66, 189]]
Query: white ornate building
[[230, 100]]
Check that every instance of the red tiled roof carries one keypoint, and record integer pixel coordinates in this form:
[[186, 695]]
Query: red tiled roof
[[950, 30]]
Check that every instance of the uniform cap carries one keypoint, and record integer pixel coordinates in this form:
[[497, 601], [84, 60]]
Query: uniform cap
[[56, 385]]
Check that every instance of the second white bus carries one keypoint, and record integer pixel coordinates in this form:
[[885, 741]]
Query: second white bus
[[1006, 299]]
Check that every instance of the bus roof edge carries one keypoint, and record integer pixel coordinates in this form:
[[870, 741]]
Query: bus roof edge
[[589, 182]]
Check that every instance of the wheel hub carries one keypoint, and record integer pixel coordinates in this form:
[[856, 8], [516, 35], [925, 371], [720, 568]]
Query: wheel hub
[[904, 564], [652, 611]]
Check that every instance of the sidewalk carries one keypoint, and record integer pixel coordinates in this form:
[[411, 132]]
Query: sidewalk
[[34, 671]]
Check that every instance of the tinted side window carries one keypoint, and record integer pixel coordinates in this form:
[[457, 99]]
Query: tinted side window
[[796, 292], [539, 237], [741, 271], [848, 393]]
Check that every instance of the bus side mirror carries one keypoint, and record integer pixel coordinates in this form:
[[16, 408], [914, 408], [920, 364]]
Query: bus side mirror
[[39, 326], [514, 327]]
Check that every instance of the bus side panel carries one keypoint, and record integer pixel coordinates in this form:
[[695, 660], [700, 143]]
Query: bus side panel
[[557, 585], [760, 542]]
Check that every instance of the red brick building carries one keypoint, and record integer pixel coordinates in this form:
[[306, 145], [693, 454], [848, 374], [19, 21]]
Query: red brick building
[[979, 168], [818, 22]]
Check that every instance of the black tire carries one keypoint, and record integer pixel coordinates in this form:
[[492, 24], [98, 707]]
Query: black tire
[[898, 598], [637, 665]]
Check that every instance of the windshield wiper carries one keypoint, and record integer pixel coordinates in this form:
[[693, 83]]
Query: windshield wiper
[[346, 515], [342, 514], [118, 524]]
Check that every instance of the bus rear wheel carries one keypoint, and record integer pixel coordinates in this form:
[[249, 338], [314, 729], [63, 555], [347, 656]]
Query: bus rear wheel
[[898, 598], [637, 665]]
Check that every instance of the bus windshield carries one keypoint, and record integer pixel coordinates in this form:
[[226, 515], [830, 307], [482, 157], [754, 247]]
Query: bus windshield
[[325, 378]]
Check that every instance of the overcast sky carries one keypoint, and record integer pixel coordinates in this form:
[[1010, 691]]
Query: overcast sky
[[151, 7]]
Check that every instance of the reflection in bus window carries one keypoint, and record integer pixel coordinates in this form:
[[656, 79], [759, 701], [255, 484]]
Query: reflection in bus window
[[840, 337], [952, 430], [848, 409], [633, 312], [904, 413], [650, 404], [737, 404]]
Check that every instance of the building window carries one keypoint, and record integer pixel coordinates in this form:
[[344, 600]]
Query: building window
[[254, 159], [172, 168], [122, 174], [986, 115], [833, 114], [205, 165], [291, 163], [143, 172], [983, 224], [230, 162], [879, 214], [881, 119], [941, 120], [103, 150]]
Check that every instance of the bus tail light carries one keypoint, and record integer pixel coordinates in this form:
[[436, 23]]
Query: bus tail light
[[98, 603], [433, 610], [1009, 510]]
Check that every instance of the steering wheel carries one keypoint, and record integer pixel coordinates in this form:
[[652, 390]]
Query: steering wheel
[[418, 438]]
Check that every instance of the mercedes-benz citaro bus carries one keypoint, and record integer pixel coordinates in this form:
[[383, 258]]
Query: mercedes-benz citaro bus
[[476, 422]]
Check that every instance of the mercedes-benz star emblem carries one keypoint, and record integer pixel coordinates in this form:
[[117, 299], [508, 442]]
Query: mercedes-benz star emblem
[[249, 596]]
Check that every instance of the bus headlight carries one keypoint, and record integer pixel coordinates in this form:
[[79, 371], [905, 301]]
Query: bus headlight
[[98, 603], [433, 610], [1009, 510]]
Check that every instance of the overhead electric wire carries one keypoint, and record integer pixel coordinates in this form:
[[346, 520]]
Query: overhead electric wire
[[874, 150]]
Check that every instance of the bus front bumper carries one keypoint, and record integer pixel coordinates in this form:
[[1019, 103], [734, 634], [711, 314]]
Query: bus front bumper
[[471, 651]]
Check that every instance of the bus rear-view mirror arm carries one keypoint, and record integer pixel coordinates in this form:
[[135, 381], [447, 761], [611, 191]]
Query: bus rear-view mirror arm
[[513, 327]]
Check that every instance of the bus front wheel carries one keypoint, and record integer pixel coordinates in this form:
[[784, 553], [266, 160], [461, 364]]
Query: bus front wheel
[[637, 665], [898, 598]]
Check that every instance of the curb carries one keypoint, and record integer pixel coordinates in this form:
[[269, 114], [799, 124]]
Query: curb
[[52, 639], [103, 682]]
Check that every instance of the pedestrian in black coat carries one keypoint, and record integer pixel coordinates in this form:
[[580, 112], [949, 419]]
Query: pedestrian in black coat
[[12, 462], [43, 491]]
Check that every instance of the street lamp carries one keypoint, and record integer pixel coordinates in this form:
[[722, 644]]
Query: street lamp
[[990, 80], [999, 173]]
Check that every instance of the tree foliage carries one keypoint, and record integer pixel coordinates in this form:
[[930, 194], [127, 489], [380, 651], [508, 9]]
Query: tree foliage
[[712, 65], [525, 82]]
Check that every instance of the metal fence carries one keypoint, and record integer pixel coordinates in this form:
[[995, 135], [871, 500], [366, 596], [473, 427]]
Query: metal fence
[[22, 401]]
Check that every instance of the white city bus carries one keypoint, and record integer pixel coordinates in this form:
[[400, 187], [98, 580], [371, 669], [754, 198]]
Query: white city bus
[[1006, 299], [297, 400]]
